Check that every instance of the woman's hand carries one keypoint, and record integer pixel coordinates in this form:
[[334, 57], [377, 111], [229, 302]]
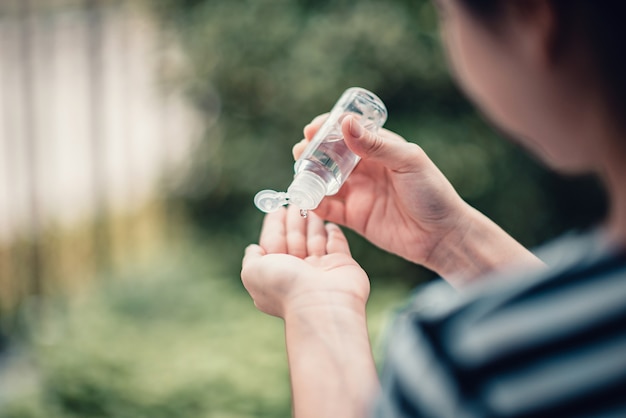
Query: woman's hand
[[302, 271], [302, 264], [396, 197], [399, 200]]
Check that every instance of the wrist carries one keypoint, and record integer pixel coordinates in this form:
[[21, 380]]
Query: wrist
[[443, 250], [320, 303], [330, 360], [474, 247]]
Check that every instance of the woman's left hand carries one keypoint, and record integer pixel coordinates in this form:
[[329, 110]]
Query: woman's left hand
[[302, 271], [302, 264]]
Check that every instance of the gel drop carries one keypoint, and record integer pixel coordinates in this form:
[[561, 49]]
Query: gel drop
[[326, 162]]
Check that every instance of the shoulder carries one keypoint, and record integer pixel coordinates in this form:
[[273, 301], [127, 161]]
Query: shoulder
[[550, 344]]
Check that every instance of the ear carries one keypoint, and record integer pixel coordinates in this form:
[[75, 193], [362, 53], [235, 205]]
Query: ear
[[537, 30]]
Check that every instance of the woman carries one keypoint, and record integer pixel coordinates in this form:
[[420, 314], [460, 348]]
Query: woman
[[520, 338]]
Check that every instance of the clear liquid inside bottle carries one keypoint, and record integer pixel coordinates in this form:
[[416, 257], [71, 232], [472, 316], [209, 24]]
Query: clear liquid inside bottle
[[332, 161]]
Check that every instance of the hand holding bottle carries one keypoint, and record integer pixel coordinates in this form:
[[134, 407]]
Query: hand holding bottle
[[399, 200]]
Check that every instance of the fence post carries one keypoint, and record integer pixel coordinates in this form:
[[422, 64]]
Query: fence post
[[34, 253], [96, 92]]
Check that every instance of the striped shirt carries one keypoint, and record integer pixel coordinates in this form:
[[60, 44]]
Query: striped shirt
[[546, 344]]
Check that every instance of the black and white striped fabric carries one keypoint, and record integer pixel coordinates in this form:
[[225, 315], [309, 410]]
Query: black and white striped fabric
[[543, 344]]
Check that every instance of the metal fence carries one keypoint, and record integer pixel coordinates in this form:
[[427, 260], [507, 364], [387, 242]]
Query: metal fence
[[87, 135]]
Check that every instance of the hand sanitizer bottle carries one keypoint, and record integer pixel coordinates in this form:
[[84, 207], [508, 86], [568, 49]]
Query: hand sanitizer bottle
[[327, 162]]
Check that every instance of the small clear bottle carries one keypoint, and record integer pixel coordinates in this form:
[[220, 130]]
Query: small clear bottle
[[327, 162]]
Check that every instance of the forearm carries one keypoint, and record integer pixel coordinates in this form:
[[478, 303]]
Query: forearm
[[478, 247], [330, 361]]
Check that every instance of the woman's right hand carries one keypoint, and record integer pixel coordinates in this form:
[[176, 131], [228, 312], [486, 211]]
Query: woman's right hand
[[400, 201], [396, 197]]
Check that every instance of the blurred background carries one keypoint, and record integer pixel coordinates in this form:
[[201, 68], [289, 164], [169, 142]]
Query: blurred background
[[133, 137]]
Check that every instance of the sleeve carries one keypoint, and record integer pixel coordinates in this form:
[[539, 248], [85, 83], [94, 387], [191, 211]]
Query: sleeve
[[552, 346], [418, 380]]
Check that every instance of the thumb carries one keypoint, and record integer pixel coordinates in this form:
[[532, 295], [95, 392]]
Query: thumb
[[253, 252], [400, 156]]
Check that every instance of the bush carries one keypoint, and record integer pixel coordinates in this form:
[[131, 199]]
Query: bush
[[172, 339]]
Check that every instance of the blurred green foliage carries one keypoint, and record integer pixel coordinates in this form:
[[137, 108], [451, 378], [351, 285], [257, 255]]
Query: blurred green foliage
[[259, 70], [171, 339]]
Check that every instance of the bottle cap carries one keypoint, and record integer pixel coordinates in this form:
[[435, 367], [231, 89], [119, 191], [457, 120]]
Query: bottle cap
[[306, 190], [270, 200]]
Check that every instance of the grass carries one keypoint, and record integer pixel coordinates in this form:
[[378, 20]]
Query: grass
[[172, 338]]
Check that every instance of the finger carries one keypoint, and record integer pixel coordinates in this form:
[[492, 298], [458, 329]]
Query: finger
[[273, 239], [401, 156], [296, 232], [314, 126], [332, 209], [252, 252], [316, 236], [309, 132], [298, 149], [337, 242]]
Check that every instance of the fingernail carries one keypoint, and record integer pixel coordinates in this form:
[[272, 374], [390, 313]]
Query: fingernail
[[355, 129]]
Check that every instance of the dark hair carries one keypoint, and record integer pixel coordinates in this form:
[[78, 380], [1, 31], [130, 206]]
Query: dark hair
[[601, 24]]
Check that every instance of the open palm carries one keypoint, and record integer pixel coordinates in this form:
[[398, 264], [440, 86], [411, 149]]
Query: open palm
[[300, 263]]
